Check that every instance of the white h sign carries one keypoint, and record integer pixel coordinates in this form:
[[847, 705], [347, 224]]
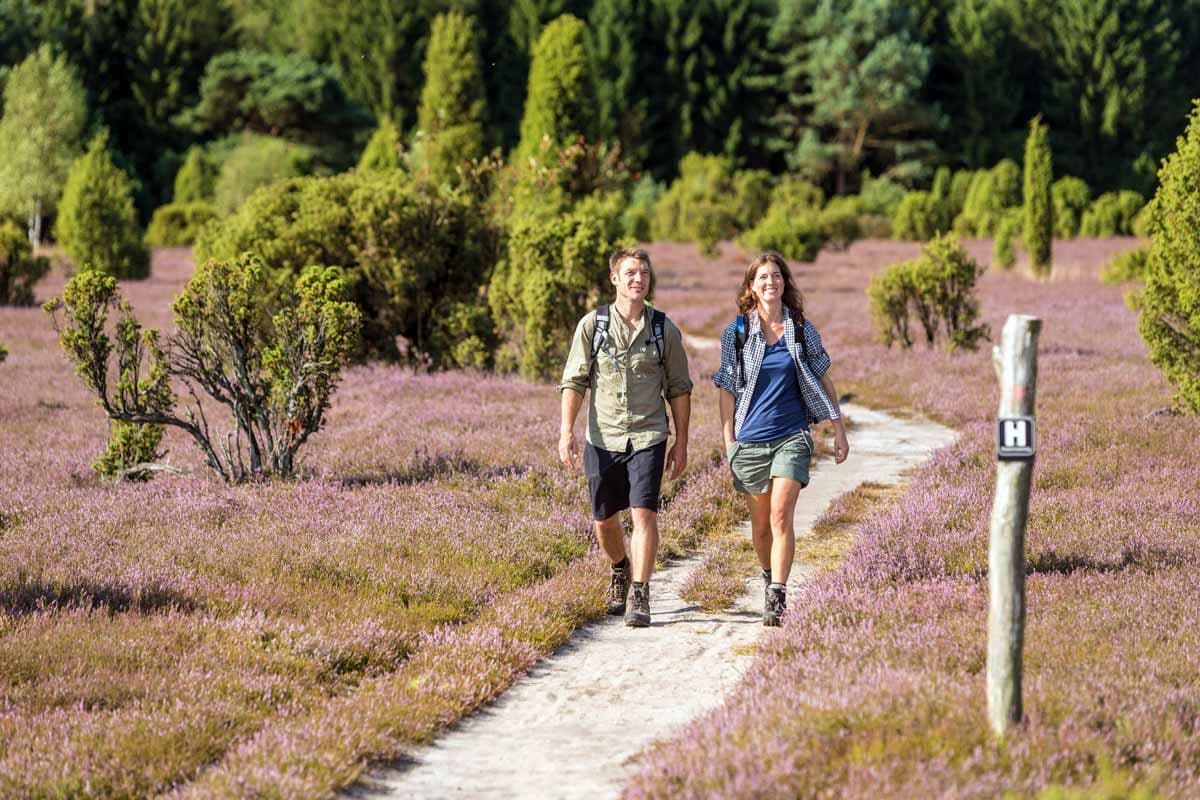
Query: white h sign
[[1014, 438]]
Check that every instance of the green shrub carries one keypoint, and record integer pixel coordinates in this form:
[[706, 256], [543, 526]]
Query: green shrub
[[990, 194], [384, 150], [1169, 318], [1038, 224], [799, 237], [20, 270], [129, 444], [880, 196], [3, 353], [1111, 214], [1071, 197], [411, 250], [753, 194], [635, 221], [794, 223], [839, 221], [938, 288], [196, 180], [1127, 266], [1004, 254], [554, 272], [178, 224], [258, 161], [874, 226], [1142, 221], [97, 224], [286, 370], [960, 185], [702, 204], [919, 217]]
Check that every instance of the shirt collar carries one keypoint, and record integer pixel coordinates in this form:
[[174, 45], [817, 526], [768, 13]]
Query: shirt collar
[[756, 321]]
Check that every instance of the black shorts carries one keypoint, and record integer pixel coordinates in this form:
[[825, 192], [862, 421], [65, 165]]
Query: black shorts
[[620, 480]]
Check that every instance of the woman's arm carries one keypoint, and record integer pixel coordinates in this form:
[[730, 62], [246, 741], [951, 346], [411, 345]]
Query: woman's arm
[[725, 400], [841, 447]]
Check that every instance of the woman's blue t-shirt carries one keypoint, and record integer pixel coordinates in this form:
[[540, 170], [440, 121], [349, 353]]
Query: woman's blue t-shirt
[[776, 408]]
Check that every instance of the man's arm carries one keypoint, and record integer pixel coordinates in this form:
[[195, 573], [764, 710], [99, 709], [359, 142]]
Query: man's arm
[[841, 447], [572, 401], [681, 413]]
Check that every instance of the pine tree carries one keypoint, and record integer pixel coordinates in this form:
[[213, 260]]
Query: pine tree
[[450, 121], [196, 179], [44, 114], [1039, 205], [561, 102], [1169, 319], [97, 224]]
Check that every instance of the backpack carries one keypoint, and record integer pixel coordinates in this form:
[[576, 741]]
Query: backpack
[[742, 331], [657, 323]]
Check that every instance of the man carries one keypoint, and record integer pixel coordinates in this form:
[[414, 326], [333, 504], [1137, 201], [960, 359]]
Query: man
[[632, 359]]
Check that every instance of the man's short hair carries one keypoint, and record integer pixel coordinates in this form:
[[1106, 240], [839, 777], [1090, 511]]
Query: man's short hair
[[629, 252]]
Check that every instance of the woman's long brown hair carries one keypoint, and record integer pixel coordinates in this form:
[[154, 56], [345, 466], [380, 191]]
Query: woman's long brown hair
[[791, 293]]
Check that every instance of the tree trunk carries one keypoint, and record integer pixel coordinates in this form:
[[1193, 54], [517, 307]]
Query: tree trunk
[[35, 224]]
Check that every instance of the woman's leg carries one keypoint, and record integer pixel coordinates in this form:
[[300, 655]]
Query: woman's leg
[[760, 526], [782, 502]]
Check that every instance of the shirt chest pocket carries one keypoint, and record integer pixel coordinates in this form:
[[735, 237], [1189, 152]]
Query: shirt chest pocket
[[644, 359]]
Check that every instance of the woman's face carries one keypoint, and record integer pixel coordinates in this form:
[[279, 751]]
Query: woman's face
[[767, 285]]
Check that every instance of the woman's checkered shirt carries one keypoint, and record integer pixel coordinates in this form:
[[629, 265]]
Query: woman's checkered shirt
[[809, 374]]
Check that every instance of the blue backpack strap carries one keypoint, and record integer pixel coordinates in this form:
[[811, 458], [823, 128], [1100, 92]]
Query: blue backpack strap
[[741, 331]]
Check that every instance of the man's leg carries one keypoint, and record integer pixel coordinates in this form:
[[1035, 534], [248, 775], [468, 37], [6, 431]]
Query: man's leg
[[611, 536], [608, 483], [644, 547]]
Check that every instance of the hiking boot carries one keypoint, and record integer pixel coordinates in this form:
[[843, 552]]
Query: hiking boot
[[618, 592], [638, 613], [766, 576], [775, 606]]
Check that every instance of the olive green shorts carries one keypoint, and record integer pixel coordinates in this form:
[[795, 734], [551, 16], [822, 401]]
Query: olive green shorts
[[754, 464]]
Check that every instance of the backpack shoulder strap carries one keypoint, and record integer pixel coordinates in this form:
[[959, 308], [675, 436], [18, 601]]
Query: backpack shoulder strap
[[600, 331], [658, 324], [740, 332]]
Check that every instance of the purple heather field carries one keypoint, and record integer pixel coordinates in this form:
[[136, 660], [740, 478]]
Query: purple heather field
[[874, 687], [202, 640]]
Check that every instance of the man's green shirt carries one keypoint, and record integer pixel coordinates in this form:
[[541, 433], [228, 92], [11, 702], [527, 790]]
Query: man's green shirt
[[629, 387]]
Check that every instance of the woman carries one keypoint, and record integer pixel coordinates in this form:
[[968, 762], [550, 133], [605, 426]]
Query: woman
[[774, 380]]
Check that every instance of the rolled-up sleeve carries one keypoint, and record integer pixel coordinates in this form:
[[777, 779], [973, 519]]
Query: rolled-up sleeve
[[726, 375], [679, 380], [818, 359], [577, 374]]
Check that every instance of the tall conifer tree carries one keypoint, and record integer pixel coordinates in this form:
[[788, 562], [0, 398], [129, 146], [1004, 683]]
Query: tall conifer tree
[[1039, 205], [451, 117], [561, 102]]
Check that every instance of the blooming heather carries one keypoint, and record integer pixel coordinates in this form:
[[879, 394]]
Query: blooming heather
[[875, 685]]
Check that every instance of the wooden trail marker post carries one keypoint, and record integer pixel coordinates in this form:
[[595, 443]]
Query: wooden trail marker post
[[1016, 368]]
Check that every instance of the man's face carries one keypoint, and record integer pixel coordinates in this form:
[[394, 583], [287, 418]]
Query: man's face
[[632, 279]]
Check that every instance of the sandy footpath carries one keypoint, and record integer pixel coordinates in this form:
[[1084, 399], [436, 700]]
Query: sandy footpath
[[574, 726]]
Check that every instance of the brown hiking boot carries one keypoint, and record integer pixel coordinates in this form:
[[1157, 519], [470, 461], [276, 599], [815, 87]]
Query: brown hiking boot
[[638, 613], [618, 591]]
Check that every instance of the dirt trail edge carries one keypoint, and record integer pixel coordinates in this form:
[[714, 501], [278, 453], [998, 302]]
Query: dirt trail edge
[[573, 727]]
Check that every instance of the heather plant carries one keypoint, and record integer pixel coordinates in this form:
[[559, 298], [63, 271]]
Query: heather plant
[[1038, 205], [1004, 252], [412, 252], [937, 288], [277, 386], [1111, 214], [1127, 266], [384, 150], [990, 194], [20, 270], [450, 120], [1169, 306], [196, 180], [1071, 197], [177, 224], [97, 224]]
